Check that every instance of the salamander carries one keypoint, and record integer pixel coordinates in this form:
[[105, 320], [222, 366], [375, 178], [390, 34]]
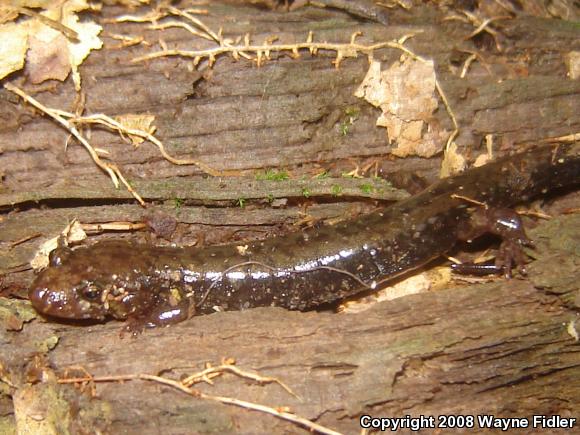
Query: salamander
[[156, 286]]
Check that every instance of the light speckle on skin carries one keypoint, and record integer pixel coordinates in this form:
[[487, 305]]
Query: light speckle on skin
[[190, 277], [236, 275], [260, 275], [167, 315], [242, 249]]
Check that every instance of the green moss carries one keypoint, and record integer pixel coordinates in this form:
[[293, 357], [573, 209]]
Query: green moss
[[343, 128], [336, 190], [14, 313], [351, 114], [272, 175], [367, 188], [177, 203]]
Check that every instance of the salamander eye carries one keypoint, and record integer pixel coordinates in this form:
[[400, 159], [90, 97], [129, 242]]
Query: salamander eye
[[91, 292]]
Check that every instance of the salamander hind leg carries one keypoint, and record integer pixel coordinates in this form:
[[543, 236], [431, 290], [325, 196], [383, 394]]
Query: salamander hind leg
[[506, 224]]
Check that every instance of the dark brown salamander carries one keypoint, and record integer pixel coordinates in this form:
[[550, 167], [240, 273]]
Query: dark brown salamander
[[161, 285]]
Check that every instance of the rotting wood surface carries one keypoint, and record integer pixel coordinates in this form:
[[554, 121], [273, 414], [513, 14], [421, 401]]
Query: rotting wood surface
[[499, 348]]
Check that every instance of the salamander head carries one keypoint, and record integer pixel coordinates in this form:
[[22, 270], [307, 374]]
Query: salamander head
[[86, 283], [56, 293]]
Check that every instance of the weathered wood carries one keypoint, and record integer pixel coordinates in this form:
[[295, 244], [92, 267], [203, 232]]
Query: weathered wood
[[215, 190], [498, 348]]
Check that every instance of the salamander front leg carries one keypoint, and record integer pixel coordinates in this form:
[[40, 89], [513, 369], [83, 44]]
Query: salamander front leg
[[158, 315]]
